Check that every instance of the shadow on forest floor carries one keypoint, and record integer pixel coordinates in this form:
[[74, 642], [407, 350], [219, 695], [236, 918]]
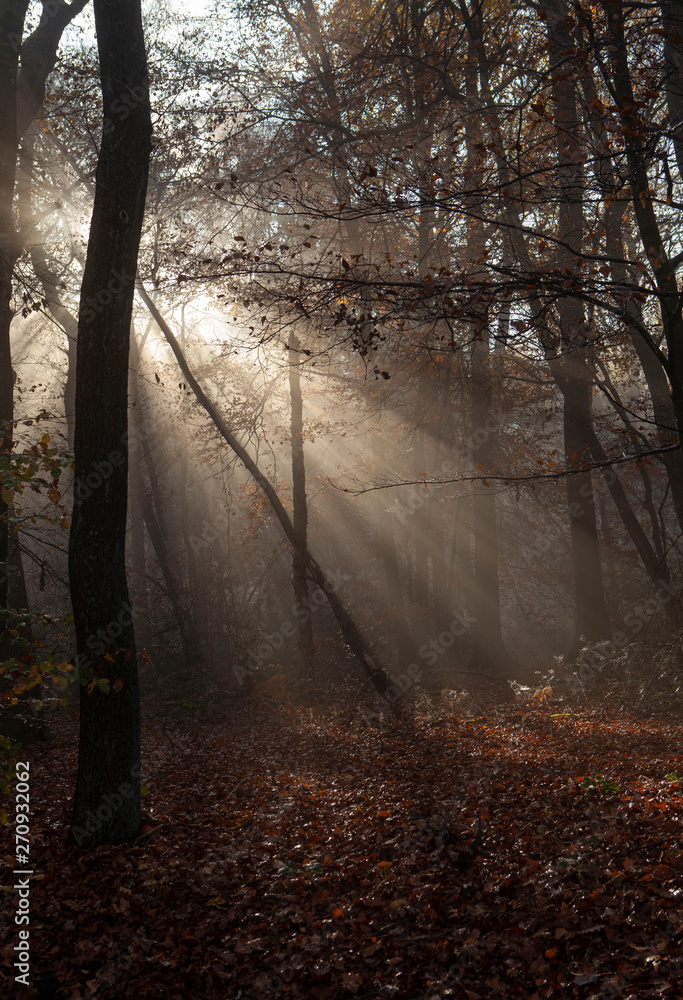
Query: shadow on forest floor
[[523, 856]]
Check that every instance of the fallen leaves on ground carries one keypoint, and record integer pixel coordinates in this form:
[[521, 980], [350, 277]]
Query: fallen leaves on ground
[[451, 859]]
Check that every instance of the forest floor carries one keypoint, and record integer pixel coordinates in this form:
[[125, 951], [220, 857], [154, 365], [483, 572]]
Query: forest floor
[[518, 855]]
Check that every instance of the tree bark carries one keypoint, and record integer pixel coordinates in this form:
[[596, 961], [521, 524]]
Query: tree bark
[[635, 137], [21, 96], [570, 369], [489, 650], [150, 509], [672, 23], [12, 14], [489, 653], [300, 507], [137, 494], [38, 58], [107, 800], [393, 598]]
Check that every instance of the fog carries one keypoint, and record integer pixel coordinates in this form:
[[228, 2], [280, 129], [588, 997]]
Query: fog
[[373, 342]]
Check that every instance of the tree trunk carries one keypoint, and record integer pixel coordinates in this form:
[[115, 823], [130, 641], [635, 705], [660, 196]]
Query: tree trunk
[[592, 618], [672, 23], [350, 631], [12, 13], [392, 591], [21, 95], [635, 137], [420, 616], [107, 800], [655, 376], [570, 369], [137, 500], [300, 508], [490, 654], [150, 513]]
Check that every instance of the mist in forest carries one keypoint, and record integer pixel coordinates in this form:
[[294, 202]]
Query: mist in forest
[[341, 498], [401, 403], [399, 506]]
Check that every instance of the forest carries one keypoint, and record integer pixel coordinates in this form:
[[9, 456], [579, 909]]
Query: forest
[[341, 499]]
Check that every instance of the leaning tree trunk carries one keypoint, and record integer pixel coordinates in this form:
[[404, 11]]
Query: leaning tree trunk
[[349, 630], [107, 800]]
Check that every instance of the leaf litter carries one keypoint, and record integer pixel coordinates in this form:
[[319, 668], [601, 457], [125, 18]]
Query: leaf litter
[[464, 859]]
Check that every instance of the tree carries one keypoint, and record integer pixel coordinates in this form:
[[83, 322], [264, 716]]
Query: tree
[[21, 95], [299, 506], [107, 799]]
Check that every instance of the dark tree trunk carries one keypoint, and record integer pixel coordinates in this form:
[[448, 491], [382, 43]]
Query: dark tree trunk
[[138, 497], [300, 508], [12, 13], [39, 55], [150, 511], [655, 375], [490, 654], [21, 96], [571, 370], [655, 566], [107, 800], [592, 618], [421, 524], [19, 722], [392, 597], [638, 157], [13, 723], [672, 23]]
